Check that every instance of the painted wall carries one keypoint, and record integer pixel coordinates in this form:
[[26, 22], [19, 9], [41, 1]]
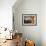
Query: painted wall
[[6, 13], [43, 22], [28, 7]]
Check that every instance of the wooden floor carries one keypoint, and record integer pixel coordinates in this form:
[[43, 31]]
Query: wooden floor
[[16, 41], [12, 42], [9, 43]]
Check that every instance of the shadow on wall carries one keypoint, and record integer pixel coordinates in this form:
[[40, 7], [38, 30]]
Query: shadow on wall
[[17, 4]]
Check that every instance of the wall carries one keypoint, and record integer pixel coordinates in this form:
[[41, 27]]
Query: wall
[[28, 7], [6, 13], [43, 22]]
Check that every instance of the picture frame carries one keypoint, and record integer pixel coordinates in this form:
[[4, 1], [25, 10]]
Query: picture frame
[[29, 19]]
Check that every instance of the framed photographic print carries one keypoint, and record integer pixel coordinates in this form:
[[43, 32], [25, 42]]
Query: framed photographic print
[[29, 19]]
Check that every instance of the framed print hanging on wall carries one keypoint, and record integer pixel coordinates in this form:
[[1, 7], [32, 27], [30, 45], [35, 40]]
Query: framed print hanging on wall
[[29, 19]]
